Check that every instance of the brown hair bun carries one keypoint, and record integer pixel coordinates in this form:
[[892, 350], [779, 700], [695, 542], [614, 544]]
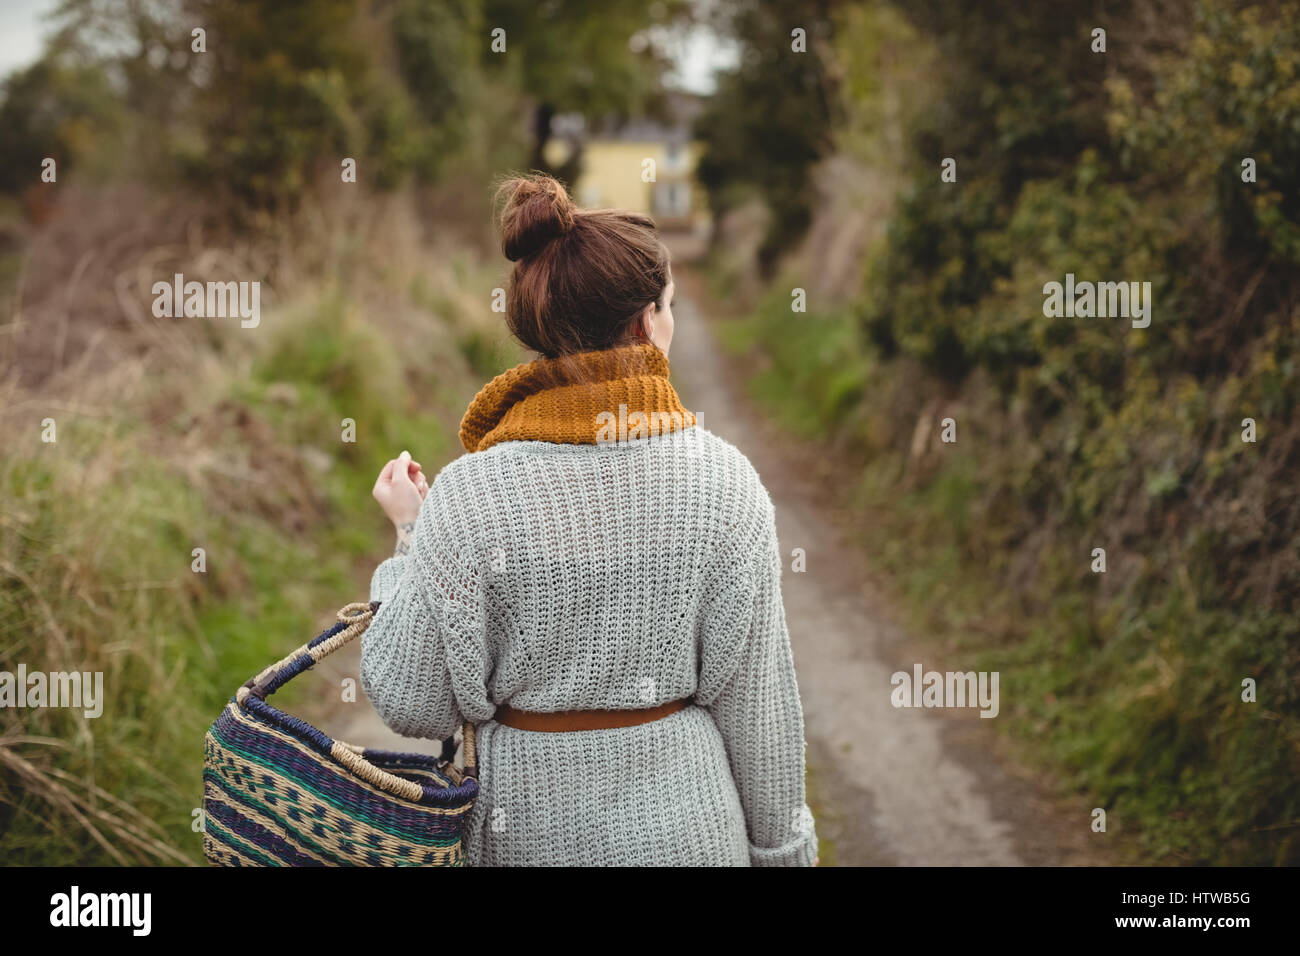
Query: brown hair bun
[[581, 277], [537, 210]]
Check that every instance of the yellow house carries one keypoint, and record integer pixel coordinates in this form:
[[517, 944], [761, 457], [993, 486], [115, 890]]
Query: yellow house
[[650, 176], [643, 165]]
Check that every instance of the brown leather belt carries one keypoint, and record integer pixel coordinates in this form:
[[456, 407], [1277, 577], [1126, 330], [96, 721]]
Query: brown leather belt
[[562, 720]]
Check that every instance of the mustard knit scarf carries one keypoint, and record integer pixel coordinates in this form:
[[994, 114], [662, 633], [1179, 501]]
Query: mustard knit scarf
[[583, 399]]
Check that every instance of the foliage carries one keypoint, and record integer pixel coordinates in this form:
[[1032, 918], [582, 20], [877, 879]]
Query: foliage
[[283, 92], [771, 117], [1077, 433], [592, 57], [229, 442], [61, 112]]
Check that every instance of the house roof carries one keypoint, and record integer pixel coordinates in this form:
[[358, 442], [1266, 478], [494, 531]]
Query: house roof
[[679, 110]]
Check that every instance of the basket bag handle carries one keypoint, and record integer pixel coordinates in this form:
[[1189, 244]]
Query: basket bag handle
[[353, 620]]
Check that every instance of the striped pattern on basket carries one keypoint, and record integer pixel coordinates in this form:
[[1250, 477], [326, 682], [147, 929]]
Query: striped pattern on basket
[[274, 798]]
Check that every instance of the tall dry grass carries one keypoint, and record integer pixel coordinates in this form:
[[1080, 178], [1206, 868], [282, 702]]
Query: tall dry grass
[[176, 434]]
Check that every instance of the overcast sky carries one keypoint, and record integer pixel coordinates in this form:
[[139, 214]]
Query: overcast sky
[[698, 56], [21, 32]]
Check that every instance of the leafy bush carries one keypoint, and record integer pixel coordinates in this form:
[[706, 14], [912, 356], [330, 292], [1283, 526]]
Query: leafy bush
[[1077, 433]]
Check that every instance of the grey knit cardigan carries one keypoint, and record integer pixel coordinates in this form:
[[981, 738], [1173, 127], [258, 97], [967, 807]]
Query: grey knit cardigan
[[623, 575]]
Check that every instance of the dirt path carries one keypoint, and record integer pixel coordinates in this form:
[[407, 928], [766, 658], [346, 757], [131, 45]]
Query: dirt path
[[888, 786]]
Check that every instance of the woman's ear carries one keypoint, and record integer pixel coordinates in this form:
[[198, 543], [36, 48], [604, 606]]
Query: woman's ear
[[645, 323]]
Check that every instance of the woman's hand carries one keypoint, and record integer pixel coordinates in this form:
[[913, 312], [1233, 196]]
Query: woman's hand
[[400, 489]]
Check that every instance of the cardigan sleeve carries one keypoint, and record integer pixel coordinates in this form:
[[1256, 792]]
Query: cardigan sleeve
[[424, 659], [747, 683]]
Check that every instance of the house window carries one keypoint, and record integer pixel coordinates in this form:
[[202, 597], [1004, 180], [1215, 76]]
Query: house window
[[674, 156], [673, 199]]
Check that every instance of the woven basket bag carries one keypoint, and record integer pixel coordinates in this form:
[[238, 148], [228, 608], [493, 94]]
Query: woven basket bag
[[278, 792]]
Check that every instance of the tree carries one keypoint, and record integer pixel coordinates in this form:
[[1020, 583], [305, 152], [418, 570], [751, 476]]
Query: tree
[[771, 118], [589, 56]]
